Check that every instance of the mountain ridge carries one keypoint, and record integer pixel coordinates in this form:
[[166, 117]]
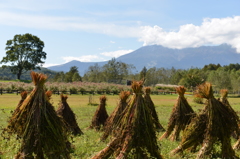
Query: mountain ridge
[[159, 56]]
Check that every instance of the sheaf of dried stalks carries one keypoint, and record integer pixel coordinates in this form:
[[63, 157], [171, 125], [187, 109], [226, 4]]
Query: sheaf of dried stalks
[[68, 115], [135, 136], [213, 125], [116, 114], [180, 117], [100, 115], [41, 132]]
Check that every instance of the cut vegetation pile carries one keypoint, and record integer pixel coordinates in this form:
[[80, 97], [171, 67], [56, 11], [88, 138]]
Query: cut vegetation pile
[[42, 133], [180, 117], [48, 95], [224, 94], [235, 134], [213, 125], [100, 116], [135, 136], [23, 97], [151, 106], [224, 100], [68, 115], [117, 113]]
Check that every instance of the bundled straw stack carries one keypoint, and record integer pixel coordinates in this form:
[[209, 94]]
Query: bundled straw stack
[[68, 115], [224, 94], [224, 100], [23, 97], [100, 116], [213, 125], [236, 146], [135, 137], [180, 117], [42, 132], [116, 114], [235, 134], [151, 106], [48, 95]]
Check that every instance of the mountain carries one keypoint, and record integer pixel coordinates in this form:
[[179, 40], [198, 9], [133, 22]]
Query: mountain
[[82, 66], [159, 56]]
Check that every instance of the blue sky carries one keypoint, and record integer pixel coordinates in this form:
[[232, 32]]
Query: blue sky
[[98, 30]]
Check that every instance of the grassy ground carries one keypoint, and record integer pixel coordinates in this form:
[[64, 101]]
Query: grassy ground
[[88, 144]]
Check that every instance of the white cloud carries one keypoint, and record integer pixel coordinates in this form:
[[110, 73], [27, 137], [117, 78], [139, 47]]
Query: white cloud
[[116, 53], [49, 64], [212, 31], [67, 23], [113, 42], [87, 58]]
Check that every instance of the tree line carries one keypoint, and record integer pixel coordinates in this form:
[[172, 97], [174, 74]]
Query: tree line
[[222, 77]]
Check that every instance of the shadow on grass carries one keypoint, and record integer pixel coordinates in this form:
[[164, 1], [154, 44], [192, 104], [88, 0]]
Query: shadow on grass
[[93, 104]]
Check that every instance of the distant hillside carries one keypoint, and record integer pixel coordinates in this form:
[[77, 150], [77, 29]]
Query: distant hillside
[[82, 66], [159, 56], [5, 74]]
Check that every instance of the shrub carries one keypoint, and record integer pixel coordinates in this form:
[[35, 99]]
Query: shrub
[[198, 100]]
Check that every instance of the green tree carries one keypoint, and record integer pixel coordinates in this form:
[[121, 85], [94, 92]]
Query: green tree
[[115, 71], [211, 67], [24, 53], [152, 76], [93, 74], [72, 72], [192, 78], [220, 79], [235, 80], [76, 77], [177, 76], [59, 77], [143, 73]]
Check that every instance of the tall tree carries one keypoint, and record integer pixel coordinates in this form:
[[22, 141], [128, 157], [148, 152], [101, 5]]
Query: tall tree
[[115, 71], [143, 73], [220, 79], [93, 74], [69, 75], [59, 77], [76, 77], [151, 77], [192, 78], [24, 53]]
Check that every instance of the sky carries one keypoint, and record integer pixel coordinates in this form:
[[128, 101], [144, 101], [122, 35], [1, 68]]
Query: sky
[[98, 30]]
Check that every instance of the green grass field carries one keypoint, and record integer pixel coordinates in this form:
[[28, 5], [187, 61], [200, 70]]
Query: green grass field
[[88, 144]]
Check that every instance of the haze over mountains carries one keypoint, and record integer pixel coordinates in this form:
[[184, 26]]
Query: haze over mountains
[[159, 56]]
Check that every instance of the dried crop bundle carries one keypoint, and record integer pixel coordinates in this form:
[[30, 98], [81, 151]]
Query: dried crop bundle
[[68, 115], [151, 106], [23, 97], [42, 132], [235, 134], [213, 125], [224, 100], [48, 95], [100, 115], [135, 136], [236, 146], [224, 94], [180, 117], [116, 114]]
